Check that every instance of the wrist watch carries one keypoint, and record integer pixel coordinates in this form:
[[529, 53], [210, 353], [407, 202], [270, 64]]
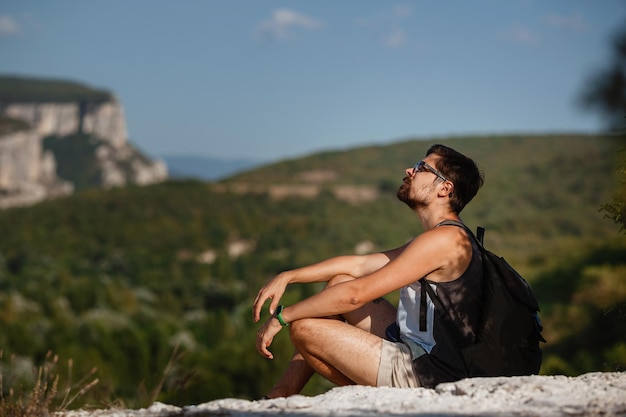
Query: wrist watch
[[279, 315]]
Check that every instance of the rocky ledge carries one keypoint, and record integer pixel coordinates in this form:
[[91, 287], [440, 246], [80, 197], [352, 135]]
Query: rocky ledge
[[593, 394]]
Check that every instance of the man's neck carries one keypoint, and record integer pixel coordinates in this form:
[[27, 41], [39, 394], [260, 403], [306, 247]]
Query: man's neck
[[431, 218]]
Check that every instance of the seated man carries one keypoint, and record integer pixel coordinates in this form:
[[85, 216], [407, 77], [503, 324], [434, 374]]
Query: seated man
[[349, 334]]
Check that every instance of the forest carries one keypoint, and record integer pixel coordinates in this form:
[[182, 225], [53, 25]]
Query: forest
[[145, 293]]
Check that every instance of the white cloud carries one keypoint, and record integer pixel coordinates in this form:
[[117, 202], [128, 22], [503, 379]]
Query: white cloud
[[575, 23], [388, 27], [402, 11], [520, 34], [395, 39], [8, 26], [284, 22]]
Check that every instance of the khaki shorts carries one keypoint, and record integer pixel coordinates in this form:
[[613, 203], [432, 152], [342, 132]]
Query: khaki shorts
[[396, 366]]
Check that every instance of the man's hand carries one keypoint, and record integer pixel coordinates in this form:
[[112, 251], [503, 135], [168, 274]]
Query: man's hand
[[274, 289], [265, 336]]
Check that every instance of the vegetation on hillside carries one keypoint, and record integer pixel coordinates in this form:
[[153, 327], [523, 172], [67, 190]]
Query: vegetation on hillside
[[153, 285], [14, 89], [79, 160], [9, 125], [76, 158]]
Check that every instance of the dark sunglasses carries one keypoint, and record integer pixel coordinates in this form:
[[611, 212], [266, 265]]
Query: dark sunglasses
[[422, 166]]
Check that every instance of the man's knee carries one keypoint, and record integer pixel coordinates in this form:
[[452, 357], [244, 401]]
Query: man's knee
[[300, 330]]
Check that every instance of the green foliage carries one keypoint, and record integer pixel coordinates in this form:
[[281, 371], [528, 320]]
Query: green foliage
[[616, 208], [9, 125], [15, 89], [76, 159], [143, 283], [586, 315]]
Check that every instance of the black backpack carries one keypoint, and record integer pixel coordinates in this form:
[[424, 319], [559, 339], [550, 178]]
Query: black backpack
[[507, 340]]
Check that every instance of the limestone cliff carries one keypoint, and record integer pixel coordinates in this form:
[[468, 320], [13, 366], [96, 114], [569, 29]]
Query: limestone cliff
[[45, 126], [27, 172]]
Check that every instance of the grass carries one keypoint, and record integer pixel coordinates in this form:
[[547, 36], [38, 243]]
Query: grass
[[38, 393], [21, 396]]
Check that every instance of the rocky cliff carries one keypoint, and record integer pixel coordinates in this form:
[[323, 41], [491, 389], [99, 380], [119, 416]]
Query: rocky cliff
[[58, 137]]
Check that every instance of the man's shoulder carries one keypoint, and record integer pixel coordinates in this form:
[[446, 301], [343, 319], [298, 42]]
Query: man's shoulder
[[446, 233], [445, 240]]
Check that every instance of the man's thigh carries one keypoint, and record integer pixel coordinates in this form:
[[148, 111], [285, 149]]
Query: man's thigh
[[352, 351], [373, 317]]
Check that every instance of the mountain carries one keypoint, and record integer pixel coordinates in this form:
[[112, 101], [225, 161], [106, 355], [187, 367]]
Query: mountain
[[60, 136], [205, 167]]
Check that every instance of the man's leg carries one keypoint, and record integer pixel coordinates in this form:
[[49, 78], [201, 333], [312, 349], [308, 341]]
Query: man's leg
[[294, 378], [340, 352], [374, 317]]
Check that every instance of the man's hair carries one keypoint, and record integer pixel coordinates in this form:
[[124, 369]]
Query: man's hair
[[462, 171]]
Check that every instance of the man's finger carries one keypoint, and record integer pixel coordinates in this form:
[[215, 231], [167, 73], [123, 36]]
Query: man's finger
[[273, 305], [258, 305], [262, 348]]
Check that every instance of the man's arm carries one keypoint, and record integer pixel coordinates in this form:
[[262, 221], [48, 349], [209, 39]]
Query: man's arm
[[355, 265], [442, 254]]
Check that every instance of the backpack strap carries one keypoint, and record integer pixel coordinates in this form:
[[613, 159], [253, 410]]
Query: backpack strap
[[426, 288], [439, 307], [478, 237], [423, 325]]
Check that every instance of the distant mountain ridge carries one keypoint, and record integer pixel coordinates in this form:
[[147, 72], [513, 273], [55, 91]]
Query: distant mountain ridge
[[206, 168]]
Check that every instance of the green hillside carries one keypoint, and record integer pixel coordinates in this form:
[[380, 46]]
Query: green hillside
[[154, 285], [16, 89], [541, 193]]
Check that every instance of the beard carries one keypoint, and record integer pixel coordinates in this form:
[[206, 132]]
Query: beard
[[414, 199], [404, 194]]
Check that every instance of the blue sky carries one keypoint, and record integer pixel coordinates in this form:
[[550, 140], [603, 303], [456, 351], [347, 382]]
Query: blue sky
[[269, 80]]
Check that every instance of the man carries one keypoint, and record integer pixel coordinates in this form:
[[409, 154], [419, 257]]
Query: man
[[349, 334]]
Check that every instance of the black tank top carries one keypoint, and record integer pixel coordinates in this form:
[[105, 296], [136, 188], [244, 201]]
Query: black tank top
[[462, 299]]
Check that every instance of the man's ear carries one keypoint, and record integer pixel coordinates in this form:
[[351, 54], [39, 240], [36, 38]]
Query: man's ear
[[446, 189]]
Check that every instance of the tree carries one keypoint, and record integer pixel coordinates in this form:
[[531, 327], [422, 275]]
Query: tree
[[616, 209], [607, 94], [606, 91]]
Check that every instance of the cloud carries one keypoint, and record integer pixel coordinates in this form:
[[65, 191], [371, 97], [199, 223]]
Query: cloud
[[395, 39], [575, 23], [388, 27], [9, 26], [284, 22], [402, 11], [522, 35]]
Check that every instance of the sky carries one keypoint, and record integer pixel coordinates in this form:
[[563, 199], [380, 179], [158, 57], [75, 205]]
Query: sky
[[269, 80]]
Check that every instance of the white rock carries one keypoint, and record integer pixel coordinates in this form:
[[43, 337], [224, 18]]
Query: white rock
[[593, 394]]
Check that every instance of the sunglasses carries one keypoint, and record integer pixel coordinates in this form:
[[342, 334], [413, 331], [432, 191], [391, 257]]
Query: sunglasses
[[422, 166]]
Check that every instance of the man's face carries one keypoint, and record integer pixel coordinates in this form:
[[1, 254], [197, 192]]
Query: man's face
[[421, 180]]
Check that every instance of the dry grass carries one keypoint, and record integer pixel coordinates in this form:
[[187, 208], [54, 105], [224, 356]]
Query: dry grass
[[39, 396]]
